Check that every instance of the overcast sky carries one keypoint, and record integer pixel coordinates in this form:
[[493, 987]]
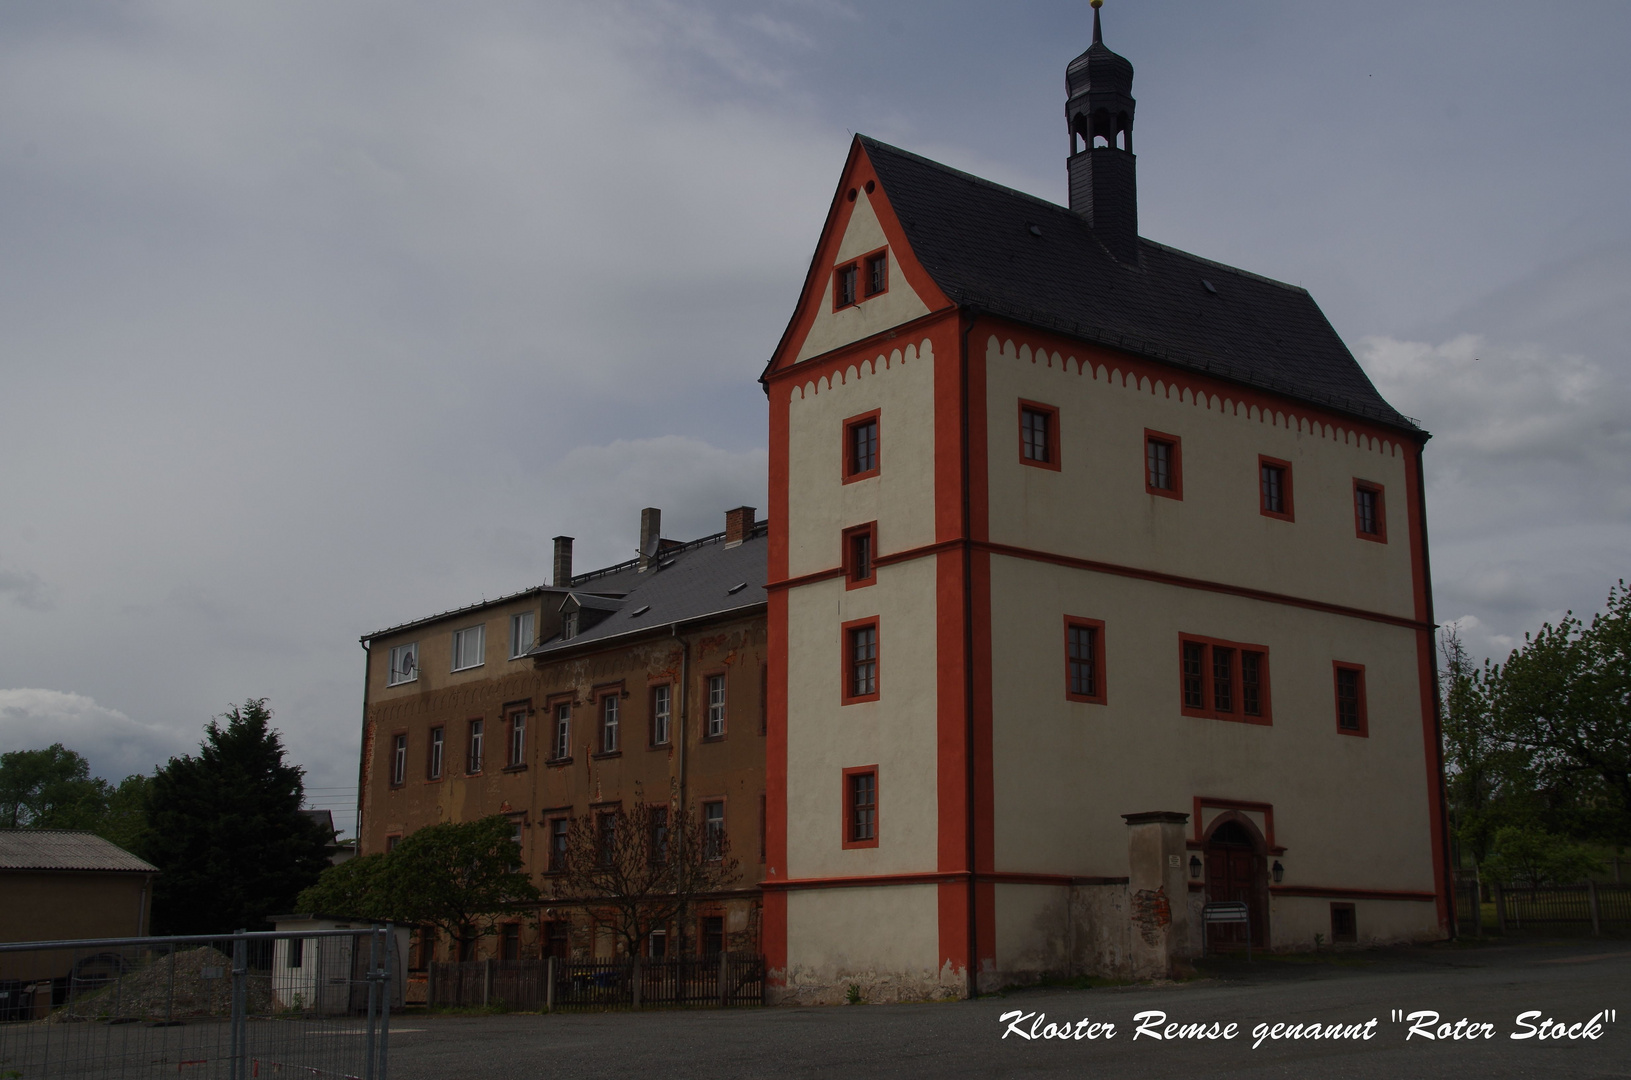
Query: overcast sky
[[319, 317]]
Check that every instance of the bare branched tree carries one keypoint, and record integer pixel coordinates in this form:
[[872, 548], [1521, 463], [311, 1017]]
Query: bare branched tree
[[639, 870]]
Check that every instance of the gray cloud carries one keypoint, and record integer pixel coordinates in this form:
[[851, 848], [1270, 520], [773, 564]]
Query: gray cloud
[[115, 745], [26, 589]]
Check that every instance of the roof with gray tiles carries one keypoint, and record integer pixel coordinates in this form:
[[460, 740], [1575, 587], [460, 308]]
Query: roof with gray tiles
[[1026, 259], [64, 849]]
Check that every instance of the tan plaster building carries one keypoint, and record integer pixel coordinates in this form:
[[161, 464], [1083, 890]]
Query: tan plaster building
[[638, 682], [1098, 592], [60, 884]]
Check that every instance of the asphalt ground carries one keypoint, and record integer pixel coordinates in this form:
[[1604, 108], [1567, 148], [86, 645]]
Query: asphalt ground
[[1568, 982]]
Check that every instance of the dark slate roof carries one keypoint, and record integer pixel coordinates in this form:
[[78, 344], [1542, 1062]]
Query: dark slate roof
[[610, 581], [63, 849], [693, 581], [975, 239], [596, 603]]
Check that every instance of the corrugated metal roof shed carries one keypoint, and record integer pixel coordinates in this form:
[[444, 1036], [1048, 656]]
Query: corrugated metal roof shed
[[65, 849]]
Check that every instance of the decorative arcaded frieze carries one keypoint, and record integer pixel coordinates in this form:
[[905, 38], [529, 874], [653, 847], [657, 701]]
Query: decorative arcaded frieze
[[858, 369]]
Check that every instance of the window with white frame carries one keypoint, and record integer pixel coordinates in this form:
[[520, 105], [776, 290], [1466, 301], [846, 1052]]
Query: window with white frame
[[609, 723], [472, 762], [433, 768], [404, 664], [662, 712], [713, 822], [518, 738], [522, 632], [716, 706], [468, 647], [399, 760], [563, 731]]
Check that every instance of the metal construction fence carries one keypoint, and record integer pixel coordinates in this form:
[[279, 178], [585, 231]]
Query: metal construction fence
[[311, 1004], [730, 979], [1486, 908]]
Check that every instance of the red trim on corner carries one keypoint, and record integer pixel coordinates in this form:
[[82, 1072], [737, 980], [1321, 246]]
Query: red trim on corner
[[1427, 680], [1052, 447], [1175, 464], [1289, 513]]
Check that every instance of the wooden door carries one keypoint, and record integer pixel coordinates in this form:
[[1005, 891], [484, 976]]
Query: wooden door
[[1234, 872]]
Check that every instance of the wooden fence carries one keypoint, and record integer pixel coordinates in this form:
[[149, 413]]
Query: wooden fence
[[730, 979], [1591, 908]]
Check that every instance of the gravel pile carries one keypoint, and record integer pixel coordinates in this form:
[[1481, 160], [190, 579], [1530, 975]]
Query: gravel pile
[[200, 981]]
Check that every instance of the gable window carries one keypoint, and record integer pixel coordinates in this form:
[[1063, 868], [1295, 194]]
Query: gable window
[[562, 742], [472, 761], [433, 765], [518, 739], [1224, 680], [716, 707], [609, 722], [1350, 690], [468, 647], [1370, 516], [404, 664], [1084, 660], [861, 446], [399, 760], [569, 626], [1163, 464], [860, 661], [877, 273], [1038, 435], [662, 698], [1274, 488], [860, 544], [713, 825], [861, 807], [522, 633], [559, 829], [843, 286]]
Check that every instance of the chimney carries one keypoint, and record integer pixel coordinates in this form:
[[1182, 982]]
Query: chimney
[[563, 562], [651, 531], [738, 525]]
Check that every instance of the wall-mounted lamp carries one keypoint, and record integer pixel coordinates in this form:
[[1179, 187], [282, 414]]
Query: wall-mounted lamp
[[1195, 867], [1279, 872]]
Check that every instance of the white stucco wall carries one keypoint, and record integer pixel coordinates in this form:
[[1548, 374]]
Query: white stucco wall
[[900, 303], [885, 941]]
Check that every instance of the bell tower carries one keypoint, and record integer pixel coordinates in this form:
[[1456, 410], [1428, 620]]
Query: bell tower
[[1103, 175]]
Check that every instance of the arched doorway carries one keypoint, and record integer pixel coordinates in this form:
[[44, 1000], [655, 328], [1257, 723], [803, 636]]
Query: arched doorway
[[1237, 869]]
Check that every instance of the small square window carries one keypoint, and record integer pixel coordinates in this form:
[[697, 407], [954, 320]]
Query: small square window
[[877, 273], [861, 447], [469, 647], [433, 766], [860, 568], [404, 664], [860, 661], [1350, 697], [1274, 488], [716, 707], [662, 711], [1084, 660], [522, 633], [1038, 435], [1163, 464], [843, 286], [861, 807], [1370, 514]]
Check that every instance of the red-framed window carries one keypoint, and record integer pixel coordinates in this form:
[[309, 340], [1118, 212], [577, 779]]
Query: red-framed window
[[875, 273], [860, 661], [1224, 680], [860, 555], [1370, 511], [1038, 435], [1163, 464], [1352, 718], [1084, 660], [845, 285], [861, 807], [862, 448], [1274, 488]]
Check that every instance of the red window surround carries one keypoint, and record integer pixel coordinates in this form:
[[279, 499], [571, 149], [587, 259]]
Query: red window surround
[[860, 825], [1223, 680], [1038, 435], [862, 448], [1084, 660], [1350, 699], [846, 285], [861, 278], [1163, 464], [861, 661], [860, 555], [875, 273], [1274, 488], [1370, 511]]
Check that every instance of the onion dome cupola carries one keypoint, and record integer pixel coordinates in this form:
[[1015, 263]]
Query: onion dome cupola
[[1103, 176]]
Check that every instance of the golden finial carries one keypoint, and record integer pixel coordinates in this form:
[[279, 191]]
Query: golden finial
[[1098, 3]]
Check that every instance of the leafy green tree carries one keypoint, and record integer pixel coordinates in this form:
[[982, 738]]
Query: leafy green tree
[[1529, 856], [50, 789], [455, 876], [226, 831]]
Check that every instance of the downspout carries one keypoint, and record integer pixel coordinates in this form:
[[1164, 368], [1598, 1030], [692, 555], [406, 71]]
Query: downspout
[[683, 704], [968, 674], [362, 748], [1438, 704]]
